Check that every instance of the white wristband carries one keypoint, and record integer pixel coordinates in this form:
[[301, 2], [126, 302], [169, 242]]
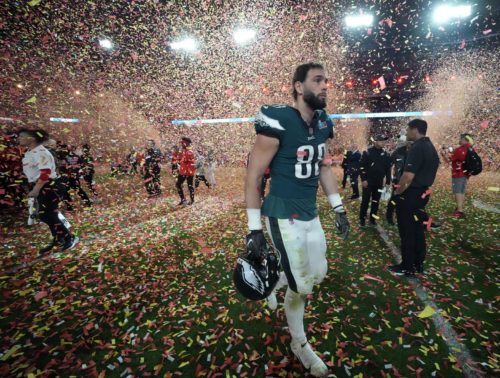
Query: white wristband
[[336, 202], [254, 222]]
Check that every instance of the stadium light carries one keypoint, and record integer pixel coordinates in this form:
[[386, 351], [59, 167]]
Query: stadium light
[[355, 21], [243, 36], [106, 43], [445, 13], [187, 44]]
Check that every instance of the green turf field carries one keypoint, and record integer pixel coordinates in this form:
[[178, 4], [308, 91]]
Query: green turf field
[[149, 293]]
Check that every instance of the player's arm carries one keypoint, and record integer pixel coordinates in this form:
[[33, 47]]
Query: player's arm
[[405, 182], [414, 162], [330, 186], [260, 158]]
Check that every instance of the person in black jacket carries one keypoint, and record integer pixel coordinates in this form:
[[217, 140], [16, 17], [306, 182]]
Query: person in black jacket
[[398, 159], [88, 168], [73, 169], [375, 166], [412, 195], [152, 160], [353, 166], [347, 155]]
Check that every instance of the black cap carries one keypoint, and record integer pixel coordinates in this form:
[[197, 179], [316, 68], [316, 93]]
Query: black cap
[[380, 137]]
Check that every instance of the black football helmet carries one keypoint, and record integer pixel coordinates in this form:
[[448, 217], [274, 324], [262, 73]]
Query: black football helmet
[[255, 278]]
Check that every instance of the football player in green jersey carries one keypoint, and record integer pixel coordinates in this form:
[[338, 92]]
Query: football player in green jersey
[[291, 140]]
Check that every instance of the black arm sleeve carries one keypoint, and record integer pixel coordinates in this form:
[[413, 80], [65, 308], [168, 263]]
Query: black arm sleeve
[[414, 160]]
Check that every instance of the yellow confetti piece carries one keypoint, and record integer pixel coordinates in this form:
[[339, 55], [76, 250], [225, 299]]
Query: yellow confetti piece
[[494, 188], [375, 216], [183, 364], [10, 352], [427, 312], [72, 269], [32, 100], [34, 3]]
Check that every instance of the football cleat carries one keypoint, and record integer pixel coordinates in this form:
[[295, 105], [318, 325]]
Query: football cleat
[[309, 359]]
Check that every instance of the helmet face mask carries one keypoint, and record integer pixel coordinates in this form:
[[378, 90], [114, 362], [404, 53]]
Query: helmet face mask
[[256, 280]]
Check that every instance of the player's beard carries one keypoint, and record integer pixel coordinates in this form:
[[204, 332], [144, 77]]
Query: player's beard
[[314, 102]]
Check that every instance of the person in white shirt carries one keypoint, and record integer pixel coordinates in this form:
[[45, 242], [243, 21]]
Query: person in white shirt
[[40, 170]]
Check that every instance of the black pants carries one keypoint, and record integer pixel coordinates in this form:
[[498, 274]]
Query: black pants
[[370, 193], [133, 168], [48, 203], [353, 177], [152, 180], [88, 177], [201, 178], [175, 170], [344, 178], [410, 211], [180, 181], [67, 183]]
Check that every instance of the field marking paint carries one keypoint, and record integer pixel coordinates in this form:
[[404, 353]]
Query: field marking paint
[[86, 243], [456, 348], [484, 206]]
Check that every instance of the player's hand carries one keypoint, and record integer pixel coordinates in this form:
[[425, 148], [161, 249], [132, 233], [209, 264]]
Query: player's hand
[[342, 224], [256, 245], [365, 184]]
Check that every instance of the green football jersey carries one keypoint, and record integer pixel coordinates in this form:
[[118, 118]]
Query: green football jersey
[[295, 167]]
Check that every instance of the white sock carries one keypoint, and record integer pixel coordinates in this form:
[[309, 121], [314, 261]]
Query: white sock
[[294, 310], [282, 282]]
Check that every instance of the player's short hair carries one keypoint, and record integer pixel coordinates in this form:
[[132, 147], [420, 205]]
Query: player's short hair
[[38, 134], [418, 124], [300, 74]]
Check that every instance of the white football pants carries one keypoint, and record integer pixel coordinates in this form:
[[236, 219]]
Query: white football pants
[[302, 246]]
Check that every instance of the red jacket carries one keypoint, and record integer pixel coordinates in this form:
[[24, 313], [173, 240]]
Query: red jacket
[[187, 163], [176, 157], [457, 161]]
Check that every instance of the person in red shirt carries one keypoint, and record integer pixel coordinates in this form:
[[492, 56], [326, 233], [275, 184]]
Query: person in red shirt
[[187, 170], [458, 176]]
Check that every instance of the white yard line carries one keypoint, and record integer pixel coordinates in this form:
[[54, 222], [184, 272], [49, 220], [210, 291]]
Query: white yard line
[[456, 348], [195, 211], [484, 206]]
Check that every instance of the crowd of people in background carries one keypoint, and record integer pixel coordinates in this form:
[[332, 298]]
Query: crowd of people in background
[[381, 170], [378, 169]]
